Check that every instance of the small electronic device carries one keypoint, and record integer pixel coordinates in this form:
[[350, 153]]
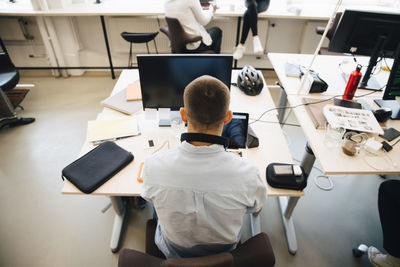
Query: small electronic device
[[164, 123], [280, 170], [236, 130], [373, 146], [390, 134]]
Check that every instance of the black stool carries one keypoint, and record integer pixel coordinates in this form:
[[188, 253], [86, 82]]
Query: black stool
[[139, 38]]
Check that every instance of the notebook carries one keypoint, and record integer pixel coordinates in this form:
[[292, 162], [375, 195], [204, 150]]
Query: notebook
[[133, 92], [112, 129], [236, 131], [119, 103]]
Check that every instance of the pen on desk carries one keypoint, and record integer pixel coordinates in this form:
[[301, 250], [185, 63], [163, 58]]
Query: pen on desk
[[113, 139]]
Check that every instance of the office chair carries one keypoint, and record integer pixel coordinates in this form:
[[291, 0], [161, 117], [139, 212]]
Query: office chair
[[320, 30], [257, 251], [139, 38], [10, 98], [179, 38]]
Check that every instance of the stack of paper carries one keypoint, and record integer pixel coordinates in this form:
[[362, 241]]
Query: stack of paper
[[353, 119], [112, 129]]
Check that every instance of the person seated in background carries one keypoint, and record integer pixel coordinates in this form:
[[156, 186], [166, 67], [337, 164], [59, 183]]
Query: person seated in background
[[250, 20], [193, 19], [200, 191], [389, 213]]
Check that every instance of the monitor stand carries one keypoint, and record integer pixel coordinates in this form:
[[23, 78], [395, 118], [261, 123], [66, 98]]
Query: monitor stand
[[166, 116], [392, 104]]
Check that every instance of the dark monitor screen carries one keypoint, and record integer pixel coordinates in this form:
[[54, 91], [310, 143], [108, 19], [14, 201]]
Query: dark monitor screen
[[360, 31], [163, 78], [393, 86], [392, 89]]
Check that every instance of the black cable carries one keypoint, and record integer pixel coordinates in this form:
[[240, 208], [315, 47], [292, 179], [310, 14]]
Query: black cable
[[311, 103], [395, 142], [281, 123]]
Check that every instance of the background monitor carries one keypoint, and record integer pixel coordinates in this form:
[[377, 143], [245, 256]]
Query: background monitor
[[392, 88], [374, 34], [163, 78]]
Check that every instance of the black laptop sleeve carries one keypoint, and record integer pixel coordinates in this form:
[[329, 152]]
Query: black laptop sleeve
[[96, 167]]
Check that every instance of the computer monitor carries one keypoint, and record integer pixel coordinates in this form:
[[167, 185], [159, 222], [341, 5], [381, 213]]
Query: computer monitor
[[163, 78], [374, 34], [392, 88]]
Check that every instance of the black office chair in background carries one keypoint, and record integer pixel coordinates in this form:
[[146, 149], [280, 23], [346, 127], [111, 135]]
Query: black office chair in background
[[10, 98], [179, 38], [139, 38], [331, 31]]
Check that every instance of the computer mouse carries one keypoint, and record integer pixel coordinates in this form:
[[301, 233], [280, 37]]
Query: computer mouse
[[382, 114]]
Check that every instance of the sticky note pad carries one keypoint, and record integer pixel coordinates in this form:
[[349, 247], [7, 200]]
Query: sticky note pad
[[133, 92]]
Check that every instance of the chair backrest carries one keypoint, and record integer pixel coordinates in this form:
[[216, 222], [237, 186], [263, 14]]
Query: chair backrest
[[334, 25], [218, 260], [177, 35], [9, 77], [256, 251], [331, 31]]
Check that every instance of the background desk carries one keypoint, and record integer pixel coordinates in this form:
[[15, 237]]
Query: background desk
[[333, 161], [273, 148]]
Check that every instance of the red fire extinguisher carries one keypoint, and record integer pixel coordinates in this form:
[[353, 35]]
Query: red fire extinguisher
[[352, 84]]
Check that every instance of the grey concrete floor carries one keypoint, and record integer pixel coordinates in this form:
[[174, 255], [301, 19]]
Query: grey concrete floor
[[41, 227]]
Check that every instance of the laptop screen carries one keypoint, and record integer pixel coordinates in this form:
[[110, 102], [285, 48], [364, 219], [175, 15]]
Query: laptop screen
[[236, 130]]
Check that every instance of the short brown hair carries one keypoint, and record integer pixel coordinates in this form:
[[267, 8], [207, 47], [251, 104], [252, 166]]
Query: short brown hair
[[206, 101]]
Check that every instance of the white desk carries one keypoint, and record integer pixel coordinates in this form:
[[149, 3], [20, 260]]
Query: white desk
[[272, 148], [333, 160]]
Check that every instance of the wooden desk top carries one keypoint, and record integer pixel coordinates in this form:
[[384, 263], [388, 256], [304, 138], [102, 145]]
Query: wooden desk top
[[333, 160], [273, 147]]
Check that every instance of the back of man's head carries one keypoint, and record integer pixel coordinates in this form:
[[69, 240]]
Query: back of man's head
[[206, 101]]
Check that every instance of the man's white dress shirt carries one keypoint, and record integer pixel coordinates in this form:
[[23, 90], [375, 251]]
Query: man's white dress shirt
[[200, 194]]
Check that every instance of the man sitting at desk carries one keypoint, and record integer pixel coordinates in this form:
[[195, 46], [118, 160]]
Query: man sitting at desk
[[199, 190], [192, 17]]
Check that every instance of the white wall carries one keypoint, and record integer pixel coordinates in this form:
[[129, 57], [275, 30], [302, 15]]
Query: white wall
[[82, 41]]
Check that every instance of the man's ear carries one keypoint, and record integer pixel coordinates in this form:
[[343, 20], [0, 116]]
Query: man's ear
[[182, 111], [228, 117]]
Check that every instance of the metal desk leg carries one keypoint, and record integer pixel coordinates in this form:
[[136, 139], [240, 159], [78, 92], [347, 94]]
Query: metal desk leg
[[287, 206], [282, 102], [119, 220], [308, 160], [103, 25], [255, 223], [239, 22]]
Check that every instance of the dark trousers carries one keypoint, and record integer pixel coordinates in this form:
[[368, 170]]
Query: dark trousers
[[389, 213], [250, 17], [216, 36]]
